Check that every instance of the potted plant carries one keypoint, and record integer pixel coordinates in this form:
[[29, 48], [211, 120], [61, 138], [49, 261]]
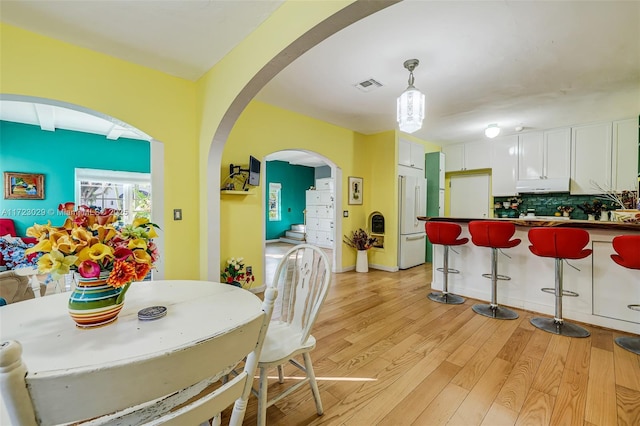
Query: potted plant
[[361, 241], [565, 210], [593, 211]]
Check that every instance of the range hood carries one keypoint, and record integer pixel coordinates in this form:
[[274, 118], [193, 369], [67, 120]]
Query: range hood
[[542, 186]]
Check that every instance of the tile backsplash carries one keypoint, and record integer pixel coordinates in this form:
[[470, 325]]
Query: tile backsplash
[[547, 204]]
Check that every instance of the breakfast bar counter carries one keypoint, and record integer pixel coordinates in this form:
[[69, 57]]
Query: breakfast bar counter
[[605, 288]]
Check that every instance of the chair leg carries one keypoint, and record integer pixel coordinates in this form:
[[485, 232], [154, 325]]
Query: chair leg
[[262, 397], [312, 381], [280, 374], [492, 310], [557, 325]]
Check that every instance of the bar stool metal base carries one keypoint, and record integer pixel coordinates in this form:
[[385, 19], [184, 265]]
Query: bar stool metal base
[[631, 344], [497, 312], [449, 299], [562, 328]]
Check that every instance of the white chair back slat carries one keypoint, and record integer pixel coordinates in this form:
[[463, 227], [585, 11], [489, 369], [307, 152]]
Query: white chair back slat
[[302, 279]]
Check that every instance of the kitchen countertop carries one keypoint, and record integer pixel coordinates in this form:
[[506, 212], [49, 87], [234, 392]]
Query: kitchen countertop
[[533, 222]]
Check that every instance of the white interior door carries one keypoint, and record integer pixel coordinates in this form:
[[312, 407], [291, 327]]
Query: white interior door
[[470, 196]]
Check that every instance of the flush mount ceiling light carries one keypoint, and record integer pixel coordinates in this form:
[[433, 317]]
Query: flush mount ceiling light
[[410, 103], [492, 131]]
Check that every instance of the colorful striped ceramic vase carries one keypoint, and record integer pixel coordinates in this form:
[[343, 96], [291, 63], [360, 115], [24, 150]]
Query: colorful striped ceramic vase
[[93, 302]]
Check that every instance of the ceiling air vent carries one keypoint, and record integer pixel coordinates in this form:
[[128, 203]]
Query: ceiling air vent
[[368, 85]]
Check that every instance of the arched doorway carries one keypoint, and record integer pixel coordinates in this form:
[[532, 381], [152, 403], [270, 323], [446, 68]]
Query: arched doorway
[[156, 152], [211, 200], [319, 168]]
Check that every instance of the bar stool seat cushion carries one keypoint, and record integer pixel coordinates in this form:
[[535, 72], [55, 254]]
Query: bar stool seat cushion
[[494, 234], [627, 248], [445, 233], [559, 243]]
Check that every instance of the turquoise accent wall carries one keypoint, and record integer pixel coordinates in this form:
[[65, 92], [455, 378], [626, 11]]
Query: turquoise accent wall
[[28, 149], [295, 181]]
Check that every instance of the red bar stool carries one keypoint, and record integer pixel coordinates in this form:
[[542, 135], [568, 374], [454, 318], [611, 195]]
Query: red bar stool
[[561, 244], [445, 234], [627, 248], [495, 235]]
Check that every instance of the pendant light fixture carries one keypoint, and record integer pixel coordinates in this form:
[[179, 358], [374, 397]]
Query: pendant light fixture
[[410, 103]]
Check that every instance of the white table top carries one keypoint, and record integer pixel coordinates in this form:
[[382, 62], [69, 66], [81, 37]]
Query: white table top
[[195, 310]]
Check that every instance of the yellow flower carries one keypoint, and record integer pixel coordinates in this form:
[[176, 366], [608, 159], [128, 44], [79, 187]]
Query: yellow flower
[[105, 233], [137, 243], [42, 246], [99, 251], [56, 263], [141, 256], [38, 231], [139, 221], [64, 243]]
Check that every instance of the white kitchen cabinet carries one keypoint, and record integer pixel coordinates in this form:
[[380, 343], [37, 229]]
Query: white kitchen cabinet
[[544, 155], [319, 217], [591, 150], [609, 289], [454, 155], [625, 154], [411, 154], [504, 166], [467, 156]]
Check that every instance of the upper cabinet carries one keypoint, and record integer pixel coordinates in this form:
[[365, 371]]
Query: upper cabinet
[[624, 171], [504, 165], [411, 154], [467, 156], [544, 155], [591, 158]]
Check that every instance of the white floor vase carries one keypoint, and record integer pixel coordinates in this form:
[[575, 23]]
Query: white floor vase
[[362, 262]]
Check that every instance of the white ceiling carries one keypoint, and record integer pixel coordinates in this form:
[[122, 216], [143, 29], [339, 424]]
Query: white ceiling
[[515, 63]]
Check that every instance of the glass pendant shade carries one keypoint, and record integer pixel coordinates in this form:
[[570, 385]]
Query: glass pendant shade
[[410, 110]]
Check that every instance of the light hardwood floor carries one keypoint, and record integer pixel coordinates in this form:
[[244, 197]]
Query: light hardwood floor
[[386, 355]]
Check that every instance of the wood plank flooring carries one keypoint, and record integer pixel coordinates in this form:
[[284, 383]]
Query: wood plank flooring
[[386, 355]]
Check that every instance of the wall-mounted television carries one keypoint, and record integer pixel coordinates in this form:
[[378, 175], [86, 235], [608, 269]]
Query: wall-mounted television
[[254, 171]]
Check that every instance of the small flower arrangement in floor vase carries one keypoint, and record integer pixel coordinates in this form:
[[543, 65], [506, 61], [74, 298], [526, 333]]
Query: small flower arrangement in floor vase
[[361, 241], [233, 273]]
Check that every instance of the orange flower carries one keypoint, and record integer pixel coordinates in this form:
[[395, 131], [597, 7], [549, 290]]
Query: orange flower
[[142, 269], [123, 273]]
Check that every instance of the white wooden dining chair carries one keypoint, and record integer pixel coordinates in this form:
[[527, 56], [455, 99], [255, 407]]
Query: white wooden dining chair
[[302, 279], [182, 387]]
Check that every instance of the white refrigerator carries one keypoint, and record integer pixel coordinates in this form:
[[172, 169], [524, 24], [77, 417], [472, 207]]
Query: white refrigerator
[[413, 203]]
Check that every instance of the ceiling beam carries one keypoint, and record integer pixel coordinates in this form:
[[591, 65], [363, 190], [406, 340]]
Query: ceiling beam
[[46, 117]]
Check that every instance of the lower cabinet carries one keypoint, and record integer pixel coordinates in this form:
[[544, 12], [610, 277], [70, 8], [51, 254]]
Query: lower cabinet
[[610, 282]]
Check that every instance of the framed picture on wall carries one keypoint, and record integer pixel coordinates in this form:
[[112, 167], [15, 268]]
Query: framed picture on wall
[[355, 190], [23, 186]]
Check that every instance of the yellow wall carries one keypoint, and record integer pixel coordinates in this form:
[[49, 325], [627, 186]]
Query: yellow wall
[[156, 103]]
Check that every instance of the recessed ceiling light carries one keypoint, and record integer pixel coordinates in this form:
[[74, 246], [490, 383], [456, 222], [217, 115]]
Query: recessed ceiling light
[[492, 131]]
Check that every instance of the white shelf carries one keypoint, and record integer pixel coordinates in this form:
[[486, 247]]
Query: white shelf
[[233, 192]]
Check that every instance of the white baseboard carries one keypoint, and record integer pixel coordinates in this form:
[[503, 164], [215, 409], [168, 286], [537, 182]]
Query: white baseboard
[[384, 268], [371, 266]]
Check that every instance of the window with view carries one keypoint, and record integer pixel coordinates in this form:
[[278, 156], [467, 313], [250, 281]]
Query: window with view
[[128, 192]]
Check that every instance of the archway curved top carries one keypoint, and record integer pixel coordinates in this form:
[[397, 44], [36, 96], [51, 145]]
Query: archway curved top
[[157, 158], [210, 200]]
